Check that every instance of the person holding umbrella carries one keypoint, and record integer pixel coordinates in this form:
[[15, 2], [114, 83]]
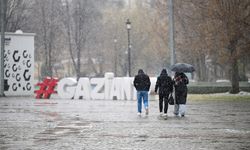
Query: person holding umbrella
[[180, 86]]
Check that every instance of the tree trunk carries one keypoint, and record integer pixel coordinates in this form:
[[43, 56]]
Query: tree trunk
[[51, 40], [244, 65], [198, 70], [202, 68], [44, 40], [235, 77], [69, 36], [215, 73], [234, 65]]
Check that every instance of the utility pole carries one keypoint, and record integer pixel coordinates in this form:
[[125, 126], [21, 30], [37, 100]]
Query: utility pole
[[3, 16], [115, 56], [171, 31]]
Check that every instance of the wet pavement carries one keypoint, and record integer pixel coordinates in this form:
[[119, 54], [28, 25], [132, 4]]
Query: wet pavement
[[27, 123]]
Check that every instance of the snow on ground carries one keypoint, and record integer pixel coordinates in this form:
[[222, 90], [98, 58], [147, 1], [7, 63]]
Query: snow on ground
[[241, 93]]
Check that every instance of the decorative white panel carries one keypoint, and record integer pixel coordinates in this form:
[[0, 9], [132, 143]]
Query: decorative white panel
[[19, 64]]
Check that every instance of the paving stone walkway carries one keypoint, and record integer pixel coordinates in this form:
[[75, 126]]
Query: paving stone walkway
[[30, 124]]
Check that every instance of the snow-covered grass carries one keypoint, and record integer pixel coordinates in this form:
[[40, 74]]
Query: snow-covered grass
[[220, 96], [227, 93]]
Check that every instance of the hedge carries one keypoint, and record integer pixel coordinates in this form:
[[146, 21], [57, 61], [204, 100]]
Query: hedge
[[207, 87]]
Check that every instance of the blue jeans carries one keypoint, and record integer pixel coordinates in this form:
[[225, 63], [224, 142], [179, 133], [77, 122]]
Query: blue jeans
[[142, 95], [179, 109]]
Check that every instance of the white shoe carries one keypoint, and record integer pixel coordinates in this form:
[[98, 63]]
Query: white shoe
[[161, 113], [139, 114], [164, 115]]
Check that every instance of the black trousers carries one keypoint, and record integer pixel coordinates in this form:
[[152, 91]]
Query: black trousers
[[163, 99]]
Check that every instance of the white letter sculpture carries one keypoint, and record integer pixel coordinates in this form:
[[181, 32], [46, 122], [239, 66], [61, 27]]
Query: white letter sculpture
[[98, 90], [83, 89], [66, 88]]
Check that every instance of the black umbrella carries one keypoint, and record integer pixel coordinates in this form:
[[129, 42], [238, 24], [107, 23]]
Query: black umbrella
[[182, 67]]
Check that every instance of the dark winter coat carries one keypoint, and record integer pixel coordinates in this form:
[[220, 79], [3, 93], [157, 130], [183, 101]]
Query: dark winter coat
[[142, 81], [180, 84], [164, 83]]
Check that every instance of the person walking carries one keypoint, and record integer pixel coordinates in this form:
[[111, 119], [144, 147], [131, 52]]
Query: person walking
[[165, 85], [142, 84], [180, 85]]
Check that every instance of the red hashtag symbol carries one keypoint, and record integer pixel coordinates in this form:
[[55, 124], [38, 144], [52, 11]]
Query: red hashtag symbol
[[46, 88]]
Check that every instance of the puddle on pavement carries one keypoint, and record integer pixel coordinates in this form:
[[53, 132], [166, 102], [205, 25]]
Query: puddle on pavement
[[62, 130]]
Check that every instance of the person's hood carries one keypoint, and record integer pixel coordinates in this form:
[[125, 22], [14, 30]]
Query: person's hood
[[164, 72], [140, 71], [178, 73]]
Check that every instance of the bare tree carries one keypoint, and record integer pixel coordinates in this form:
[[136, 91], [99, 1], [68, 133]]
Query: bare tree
[[79, 16], [205, 29], [234, 16], [44, 20], [16, 16], [83, 32]]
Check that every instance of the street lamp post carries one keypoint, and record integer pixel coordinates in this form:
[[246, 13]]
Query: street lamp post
[[115, 57], [128, 23]]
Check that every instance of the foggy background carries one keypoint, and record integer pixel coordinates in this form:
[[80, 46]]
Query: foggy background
[[79, 38]]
